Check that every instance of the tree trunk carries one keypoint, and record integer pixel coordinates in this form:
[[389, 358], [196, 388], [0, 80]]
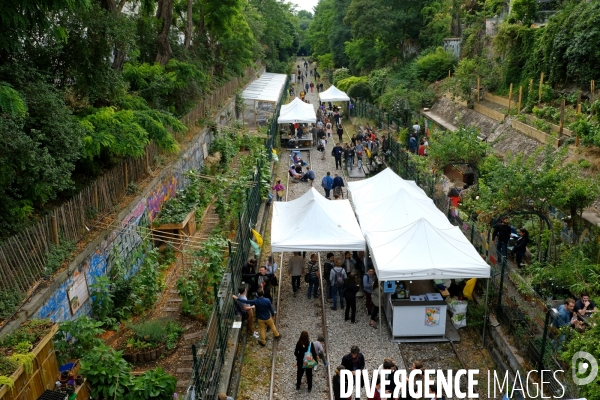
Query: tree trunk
[[119, 52], [164, 13], [188, 27]]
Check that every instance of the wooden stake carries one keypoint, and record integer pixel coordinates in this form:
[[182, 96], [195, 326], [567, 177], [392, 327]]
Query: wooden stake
[[509, 97], [147, 161], [540, 90], [593, 87], [449, 74], [478, 88], [520, 98], [579, 102], [96, 204], [126, 174], [562, 118], [54, 230]]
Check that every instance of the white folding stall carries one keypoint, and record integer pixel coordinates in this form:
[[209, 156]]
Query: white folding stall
[[297, 111], [409, 239], [261, 98], [333, 94], [314, 223]]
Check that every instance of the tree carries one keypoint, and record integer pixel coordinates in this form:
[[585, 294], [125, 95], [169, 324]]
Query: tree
[[164, 13], [318, 30], [462, 146], [340, 33], [434, 66]]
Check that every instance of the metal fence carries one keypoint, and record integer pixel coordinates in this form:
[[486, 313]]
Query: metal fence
[[533, 332], [209, 354]]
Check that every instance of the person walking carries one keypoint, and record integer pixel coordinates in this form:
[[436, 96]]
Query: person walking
[[338, 184], [248, 309], [312, 86], [377, 293], [279, 190], [306, 86], [368, 286], [327, 183], [264, 313], [304, 346], [359, 149], [323, 143], [313, 277], [337, 152], [502, 231], [354, 361], [336, 118], [328, 129], [340, 132], [337, 277], [350, 290], [295, 268], [521, 246], [328, 266], [336, 382]]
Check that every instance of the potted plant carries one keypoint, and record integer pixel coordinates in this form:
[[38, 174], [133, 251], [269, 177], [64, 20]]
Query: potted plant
[[150, 339]]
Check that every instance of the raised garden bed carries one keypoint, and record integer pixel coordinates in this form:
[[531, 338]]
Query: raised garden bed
[[144, 355], [174, 233]]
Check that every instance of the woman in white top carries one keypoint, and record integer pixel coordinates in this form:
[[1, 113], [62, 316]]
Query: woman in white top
[[271, 266], [328, 129], [324, 144]]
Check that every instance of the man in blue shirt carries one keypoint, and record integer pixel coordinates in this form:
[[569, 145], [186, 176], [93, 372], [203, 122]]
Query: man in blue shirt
[[327, 183], [264, 311], [308, 175], [565, 315]]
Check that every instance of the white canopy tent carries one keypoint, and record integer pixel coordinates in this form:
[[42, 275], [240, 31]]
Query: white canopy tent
[[314, 223], [382, 185], [297, 111], [333, 94], [420, 250], [261, 98], [397, 210]]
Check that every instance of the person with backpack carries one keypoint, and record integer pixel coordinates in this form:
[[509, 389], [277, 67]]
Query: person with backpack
[[246, 311], [328, 266], [338, 184], [350, 290], [313, 277], [327, 183], [338, 278], [306, 359]]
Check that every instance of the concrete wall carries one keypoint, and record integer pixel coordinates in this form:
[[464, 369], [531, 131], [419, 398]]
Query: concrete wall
[[488, 112], [452, 46]]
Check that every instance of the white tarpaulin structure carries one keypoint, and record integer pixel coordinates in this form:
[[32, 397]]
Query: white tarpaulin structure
[[380, 186], [421, 251], [407, 235], [314, 223], [333, 94], [261, 98], [297, 111]]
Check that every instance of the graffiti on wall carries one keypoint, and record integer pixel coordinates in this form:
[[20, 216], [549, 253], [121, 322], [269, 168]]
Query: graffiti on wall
[[160, 194]]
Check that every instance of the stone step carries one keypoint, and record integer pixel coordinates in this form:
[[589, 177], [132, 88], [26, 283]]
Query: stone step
[[174, 301], [182, 384], [185, 370], [189, 326], [187, 358], [192, 335], [174, 291], [170, 309]]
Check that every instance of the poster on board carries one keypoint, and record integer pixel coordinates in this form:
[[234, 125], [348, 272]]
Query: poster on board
[[432, 316], [78, 292]]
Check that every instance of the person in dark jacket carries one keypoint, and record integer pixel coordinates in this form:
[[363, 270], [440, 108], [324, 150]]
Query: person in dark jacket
[[340, 132], [354, 360], [337, 383], [301, 348], [337, 152], [338, 184], [502, 232], [264, 311], [521, 246], [350, 290]]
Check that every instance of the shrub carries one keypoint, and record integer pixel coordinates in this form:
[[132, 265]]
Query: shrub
[[339, 74], [345, 84], [362, 90], [434, 66]]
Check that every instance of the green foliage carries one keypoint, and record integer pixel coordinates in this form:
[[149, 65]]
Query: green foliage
[[31, 331], [378, 79], [174, 210], [462, 146], [157, 332], [24, 359], [325, 61], [153, 384], [523, 11], [434, 66], [102, 301], [148, 283], [11, 101], [107, 372], [10, 300], [346, 83], [5, 380], [360, 90], [340, 74], [75, 338], [437, 22], [57, 255], [463, 81]]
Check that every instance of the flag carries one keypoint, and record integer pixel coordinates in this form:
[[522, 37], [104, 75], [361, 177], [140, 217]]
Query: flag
[[257, 237], [255, 247]]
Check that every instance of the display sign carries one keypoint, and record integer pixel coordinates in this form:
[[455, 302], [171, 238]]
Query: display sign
[[389, 287], [78, 292], [432, 316]]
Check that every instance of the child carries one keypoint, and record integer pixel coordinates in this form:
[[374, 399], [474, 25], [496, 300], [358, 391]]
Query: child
[[279, 190], [320, 350]]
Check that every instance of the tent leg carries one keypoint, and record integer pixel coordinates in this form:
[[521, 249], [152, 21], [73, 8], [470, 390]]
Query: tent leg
[[380, 315], [485, 317]]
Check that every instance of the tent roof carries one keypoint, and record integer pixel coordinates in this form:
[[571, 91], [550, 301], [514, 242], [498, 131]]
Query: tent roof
[[398, 209], [297, 111], [333, 94], [422, 251], [313, 223], [382, 185], [266, 88]]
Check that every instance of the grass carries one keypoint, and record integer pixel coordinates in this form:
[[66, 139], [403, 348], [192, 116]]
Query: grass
[[256, 370]]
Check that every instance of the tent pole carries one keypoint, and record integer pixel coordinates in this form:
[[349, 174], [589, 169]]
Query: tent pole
[[485, 316], [380, 314]]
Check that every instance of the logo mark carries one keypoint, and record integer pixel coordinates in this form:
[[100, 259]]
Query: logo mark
[[581, 367]]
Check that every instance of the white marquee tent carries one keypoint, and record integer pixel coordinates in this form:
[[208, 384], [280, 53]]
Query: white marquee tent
[[382, 185], [421, 251], [314, 223], [297, 111], [261, 98], [333, 94]]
